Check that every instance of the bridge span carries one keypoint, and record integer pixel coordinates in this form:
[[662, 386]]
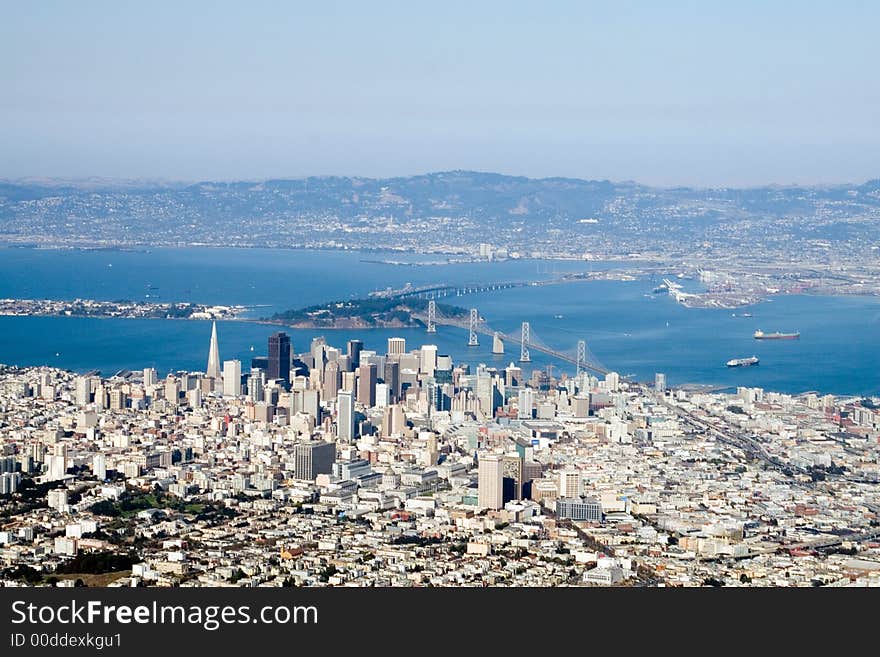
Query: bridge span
[[580, 360]]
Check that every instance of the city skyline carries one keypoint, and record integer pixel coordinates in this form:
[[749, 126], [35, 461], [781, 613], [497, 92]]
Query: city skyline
[[540, 463]]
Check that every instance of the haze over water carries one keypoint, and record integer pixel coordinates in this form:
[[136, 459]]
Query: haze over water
[[628, 328]]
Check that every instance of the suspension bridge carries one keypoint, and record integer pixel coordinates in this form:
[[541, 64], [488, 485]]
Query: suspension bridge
[[581, 356]]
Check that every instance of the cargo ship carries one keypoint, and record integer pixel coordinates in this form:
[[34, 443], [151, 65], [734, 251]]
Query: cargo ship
[[760, 335], [742, 362]]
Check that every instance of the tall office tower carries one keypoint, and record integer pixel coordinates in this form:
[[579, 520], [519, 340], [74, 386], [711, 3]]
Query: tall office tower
[[214, 355], [409, 380], [313, 458], [385, 429], [513, 476], [355, 347], [100, 397], [486, 393], [367, 385], [279, 357], [525, 403], [433, 393], [512, 376], [570, 483], [117, 399], [410, 361], [255, 384], [231, 378], [375, 359], [294, 401], [345, 415], [429, 359], [392, 379], [208, 385], [443, 371], [311, 403], [660, 382], [151, 378], [393, 421], [383, 397], [318, 349], [38, 452], [396, 346], [172, 389], [331, 354], [83, 390], [332, 380], [348, 380], [194, 397], [490, 491], [612, 381]]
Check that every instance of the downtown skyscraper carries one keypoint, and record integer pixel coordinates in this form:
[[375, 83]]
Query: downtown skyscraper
[[279, 357]]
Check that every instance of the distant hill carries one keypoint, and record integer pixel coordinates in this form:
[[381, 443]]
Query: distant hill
[[451, 210]]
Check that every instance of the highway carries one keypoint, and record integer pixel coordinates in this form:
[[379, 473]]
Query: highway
[[745, 443]]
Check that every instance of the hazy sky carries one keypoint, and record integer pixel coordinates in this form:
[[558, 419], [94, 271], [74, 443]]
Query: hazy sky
[[705, 93]]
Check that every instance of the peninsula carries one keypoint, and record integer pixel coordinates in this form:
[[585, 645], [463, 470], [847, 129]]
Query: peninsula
[[119, 309]]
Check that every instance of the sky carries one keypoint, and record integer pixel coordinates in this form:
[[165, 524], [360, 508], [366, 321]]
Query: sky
[[665, 93]]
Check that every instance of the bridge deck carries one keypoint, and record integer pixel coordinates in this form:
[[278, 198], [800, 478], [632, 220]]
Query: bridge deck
[[506, 337]]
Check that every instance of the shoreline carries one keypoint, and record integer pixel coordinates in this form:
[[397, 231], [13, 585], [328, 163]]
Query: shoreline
[[621, 265]]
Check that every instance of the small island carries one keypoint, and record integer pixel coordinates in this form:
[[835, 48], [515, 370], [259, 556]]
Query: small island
[[365, 314]]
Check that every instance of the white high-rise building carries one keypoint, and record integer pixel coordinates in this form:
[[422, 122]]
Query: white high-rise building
[[214, 355], [57, 499], [396, 346], [429, 359], [255, 384], [151, 377], [525, 403], [345, 415], [231, 378], [83, 390], [660, 382], [57, 462], [491, 481], [99, 466], [383, 395], [612, 382]]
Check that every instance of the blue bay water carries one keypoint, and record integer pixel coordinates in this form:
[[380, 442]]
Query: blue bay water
[[626, 327]]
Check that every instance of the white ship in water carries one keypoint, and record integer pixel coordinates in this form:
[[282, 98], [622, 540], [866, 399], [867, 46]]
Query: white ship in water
[[743, 362]]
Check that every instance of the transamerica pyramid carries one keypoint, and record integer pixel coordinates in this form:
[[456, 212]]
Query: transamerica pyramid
[[214, 355]]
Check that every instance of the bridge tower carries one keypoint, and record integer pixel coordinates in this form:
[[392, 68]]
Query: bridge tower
[[497, 344], [581, 356], [524, 356], [475, 319], [432, 316]]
